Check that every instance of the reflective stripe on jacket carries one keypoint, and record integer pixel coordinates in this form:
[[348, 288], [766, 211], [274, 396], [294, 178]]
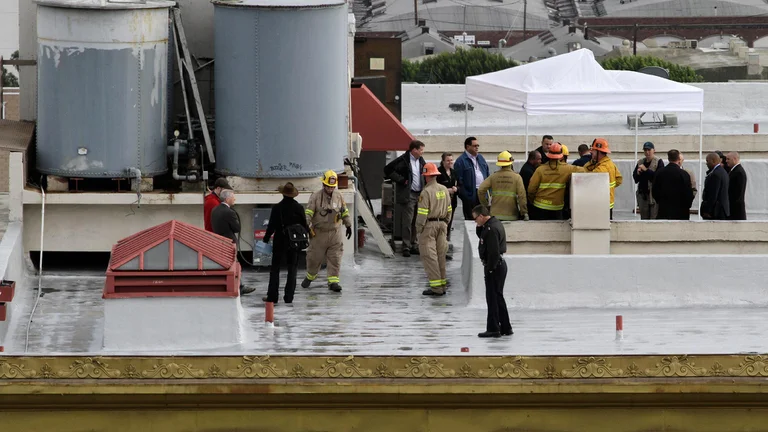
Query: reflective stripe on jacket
[[326, 212], [434, 203], [606, 165], [507, 194], [547, 187]]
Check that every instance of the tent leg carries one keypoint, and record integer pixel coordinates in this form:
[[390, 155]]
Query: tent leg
[[634, 186], [525, 156], [701, 161]]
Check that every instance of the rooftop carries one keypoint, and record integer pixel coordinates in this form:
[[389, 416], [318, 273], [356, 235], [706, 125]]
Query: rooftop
[[382, 312]]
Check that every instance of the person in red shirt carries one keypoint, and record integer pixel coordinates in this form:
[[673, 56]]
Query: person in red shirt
[[212, 201]]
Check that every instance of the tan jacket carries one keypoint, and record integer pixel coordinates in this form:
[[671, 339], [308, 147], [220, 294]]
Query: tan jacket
[[606, 165], [325, 213], [434, 204], [547, 187], [507, 194]]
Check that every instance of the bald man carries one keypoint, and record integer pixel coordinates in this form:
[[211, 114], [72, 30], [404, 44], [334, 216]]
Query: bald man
[[714, 201], [737, 187]]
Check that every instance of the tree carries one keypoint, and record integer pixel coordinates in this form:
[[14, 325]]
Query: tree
[[454, 67], [634, 63], [10, 80]]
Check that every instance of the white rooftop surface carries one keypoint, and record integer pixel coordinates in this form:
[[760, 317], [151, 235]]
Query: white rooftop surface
[[727, 111], [469, 15], [382, 312], [684, 8]]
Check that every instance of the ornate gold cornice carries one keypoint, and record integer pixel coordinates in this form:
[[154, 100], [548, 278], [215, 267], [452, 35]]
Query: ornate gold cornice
[[389, 367]]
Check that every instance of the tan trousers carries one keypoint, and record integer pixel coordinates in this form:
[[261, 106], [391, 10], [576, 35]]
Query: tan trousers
[[329, 245], [433, 246]]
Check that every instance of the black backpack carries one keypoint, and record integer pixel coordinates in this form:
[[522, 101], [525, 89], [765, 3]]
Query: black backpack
[[298, 237]]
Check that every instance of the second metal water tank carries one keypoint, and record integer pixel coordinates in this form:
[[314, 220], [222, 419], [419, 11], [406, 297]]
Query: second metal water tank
[[281, 87], [102, 87]]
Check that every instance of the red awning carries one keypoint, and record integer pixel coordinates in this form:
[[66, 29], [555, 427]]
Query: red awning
[[381, 131]]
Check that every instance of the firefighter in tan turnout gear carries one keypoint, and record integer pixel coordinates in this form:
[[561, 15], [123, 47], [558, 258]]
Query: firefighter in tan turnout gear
[[507, 190], [433, 214], [325, 211]]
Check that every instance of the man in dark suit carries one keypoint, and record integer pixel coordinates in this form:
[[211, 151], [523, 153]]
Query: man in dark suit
[[672, 189], [226, 223], [737, 187], [584, 156], [714, 202], [284, 214], [471, 169], [529, 167], [405, 172]]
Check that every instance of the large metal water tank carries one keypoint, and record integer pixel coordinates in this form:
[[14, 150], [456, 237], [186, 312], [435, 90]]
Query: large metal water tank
[[281, 87], [102, 87]]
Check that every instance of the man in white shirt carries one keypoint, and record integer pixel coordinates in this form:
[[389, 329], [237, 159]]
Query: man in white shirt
[[405, 172]]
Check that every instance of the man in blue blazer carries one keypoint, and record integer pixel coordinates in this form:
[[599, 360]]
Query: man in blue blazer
[[471, 169]]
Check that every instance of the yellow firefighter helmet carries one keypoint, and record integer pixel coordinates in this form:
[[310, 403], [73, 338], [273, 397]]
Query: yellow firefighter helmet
[[330, 178]]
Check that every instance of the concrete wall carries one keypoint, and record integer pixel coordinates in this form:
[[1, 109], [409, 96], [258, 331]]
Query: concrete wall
[[646, 237], [632, 281], [728, 119], [13, 268], [96, 228], [172, 324], [93, 222]]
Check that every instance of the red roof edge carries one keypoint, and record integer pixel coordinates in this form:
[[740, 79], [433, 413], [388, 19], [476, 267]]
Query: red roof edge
[[381, 131], [216, 248]]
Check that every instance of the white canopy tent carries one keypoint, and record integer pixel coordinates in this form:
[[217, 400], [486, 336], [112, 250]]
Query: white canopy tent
[[575, 83]]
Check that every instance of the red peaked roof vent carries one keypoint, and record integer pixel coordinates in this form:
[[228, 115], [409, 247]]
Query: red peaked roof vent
[[170, 246]]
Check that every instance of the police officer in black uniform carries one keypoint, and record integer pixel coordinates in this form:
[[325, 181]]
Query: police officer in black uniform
[[493, 244]]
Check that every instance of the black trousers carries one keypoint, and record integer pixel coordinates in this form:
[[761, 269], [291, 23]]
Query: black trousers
[[453, 213], [498, 315], [541, 214], [467, 206], [280, 253]]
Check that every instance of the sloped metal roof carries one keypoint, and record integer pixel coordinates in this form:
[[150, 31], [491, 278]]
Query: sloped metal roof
[[220, 250], [381, 131], [16, 135]]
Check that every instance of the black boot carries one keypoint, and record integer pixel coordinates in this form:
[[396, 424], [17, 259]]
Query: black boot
[[305, 283], [488, 334], [334, 287]]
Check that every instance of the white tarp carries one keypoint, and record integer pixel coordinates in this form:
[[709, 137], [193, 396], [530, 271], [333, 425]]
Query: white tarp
[[576, 83]]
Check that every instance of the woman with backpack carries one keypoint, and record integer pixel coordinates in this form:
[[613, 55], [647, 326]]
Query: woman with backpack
[[283, 221]]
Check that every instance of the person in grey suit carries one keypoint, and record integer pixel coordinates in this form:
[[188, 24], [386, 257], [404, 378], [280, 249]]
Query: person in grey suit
[[226, 223], [714, 202], [737, 187]]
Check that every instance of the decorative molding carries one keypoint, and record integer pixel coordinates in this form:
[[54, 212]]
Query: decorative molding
[[383, 367], [592, 367]]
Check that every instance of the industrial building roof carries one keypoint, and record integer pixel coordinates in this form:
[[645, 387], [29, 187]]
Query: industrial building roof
[[557, 39], [687, 8], [99, 4], [206, 244], [462, 15], [272, 4]]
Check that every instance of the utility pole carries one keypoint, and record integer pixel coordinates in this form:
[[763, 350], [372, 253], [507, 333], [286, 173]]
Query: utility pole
[[525, 19], [416, 12], [634, 44]]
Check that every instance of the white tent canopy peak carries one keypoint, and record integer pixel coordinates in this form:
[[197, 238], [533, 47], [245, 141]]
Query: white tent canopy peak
[[576, 83]]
